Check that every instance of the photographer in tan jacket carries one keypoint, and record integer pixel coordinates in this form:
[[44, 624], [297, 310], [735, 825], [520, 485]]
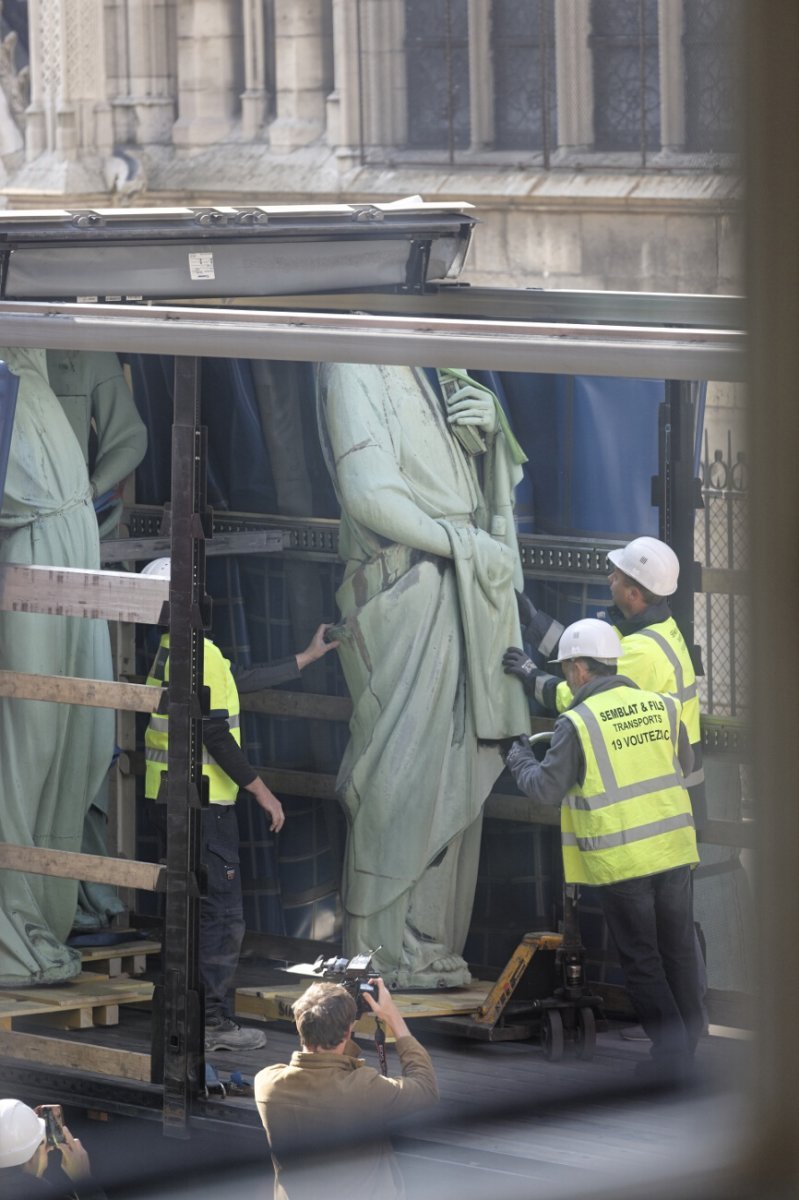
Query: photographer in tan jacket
[[326, 1112]]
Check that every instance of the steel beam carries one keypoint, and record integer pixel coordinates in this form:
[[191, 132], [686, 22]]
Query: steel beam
[[178, 1021], [625, 351], [522, 304]]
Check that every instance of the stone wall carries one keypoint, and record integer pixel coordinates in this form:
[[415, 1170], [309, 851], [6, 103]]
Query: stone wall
[[154, 102]]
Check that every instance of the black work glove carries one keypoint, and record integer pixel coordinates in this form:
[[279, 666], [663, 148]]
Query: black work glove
[[527, 610], [516, 662], [518, 750], [539, 631]]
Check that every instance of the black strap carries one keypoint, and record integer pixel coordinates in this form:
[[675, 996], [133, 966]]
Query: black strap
[[380, 1045]]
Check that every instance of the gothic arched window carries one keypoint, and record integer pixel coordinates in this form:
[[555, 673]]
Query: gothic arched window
[[712, 74], [624, 43], [437, 58], [523, 49]]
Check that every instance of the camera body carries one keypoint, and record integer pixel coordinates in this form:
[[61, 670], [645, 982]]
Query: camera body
[[353, 974]]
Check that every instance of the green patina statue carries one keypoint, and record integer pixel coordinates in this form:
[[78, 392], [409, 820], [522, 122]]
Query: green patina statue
[[53, 757], [428, 608]]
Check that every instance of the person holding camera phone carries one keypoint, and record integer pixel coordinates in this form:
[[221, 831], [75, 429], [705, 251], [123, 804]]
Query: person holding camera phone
[[326, 1112], [27, 1136]]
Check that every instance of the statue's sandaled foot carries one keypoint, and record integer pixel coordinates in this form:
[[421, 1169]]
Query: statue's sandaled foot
[[427, 965]]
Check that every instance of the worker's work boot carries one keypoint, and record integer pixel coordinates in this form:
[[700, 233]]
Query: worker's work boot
[[227, 1035]]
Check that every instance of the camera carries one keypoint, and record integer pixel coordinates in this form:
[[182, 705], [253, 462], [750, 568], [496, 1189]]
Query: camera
[[353, 974]]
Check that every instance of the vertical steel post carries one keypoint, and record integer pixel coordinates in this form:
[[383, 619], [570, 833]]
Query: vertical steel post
[[450, 87], [543, 50], [179, 1005], [642, 77], [677, 494]]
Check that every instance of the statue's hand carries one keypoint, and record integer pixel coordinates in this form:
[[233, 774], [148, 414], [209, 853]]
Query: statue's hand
[[472, 406]]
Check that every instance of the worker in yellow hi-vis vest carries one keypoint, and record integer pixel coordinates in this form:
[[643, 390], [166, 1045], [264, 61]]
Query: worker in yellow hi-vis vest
[[617, 767], [228, 770]]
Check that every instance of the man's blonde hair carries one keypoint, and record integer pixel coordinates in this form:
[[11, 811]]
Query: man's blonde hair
[[323, 1015]]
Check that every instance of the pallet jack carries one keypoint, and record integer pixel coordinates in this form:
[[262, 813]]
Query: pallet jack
[[541, 992], [567, 1011], [554, 1001]]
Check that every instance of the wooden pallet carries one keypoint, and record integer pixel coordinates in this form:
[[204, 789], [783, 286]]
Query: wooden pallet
[[125, 958], [89, 1000], [274, 1003]]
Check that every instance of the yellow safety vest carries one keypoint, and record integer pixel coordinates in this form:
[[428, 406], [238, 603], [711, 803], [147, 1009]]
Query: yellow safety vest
[[657, 659], [631, 816], [218, 678]]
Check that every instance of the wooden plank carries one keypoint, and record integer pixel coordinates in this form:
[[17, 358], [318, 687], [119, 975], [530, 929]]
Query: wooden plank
[[77, 1056], [68, 864], [86, 990], [311, 706], [274, 1003], [69, 689], [69, 1018], [520, 808], [70, 592], [12, 1007], [129, 958], [320, 706], [300, 783]]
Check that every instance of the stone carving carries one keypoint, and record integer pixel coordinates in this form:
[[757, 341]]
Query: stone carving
[[53, 757], [427, 597]]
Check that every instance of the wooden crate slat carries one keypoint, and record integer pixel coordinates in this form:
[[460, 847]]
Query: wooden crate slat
[[70, 689], [67, 864], [79, 1056], [73, 592]]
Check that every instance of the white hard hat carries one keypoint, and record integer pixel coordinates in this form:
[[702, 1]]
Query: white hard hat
[[649, 562], [589, 638], [21, 1133], [159, 568]]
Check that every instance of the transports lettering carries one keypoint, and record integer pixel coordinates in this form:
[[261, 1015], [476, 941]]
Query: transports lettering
[[635, 722]]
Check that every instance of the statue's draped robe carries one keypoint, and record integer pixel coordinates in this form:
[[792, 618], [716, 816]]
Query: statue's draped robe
[[53, 757], [421, 642], [93, 391]]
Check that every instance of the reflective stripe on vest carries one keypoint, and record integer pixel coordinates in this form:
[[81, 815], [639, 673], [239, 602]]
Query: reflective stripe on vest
[[218, 678], [632, 815], [685, 689]]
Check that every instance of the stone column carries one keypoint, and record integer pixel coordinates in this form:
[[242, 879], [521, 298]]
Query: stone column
[[383, 71], [574, 75], [37, 115], [299, 74], [672, 76], [69, 110], [145, 109], [343, 103], [255, 97], [210, 75], [481, 76]]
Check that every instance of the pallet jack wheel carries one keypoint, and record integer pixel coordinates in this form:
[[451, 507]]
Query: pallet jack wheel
[[586, 1033], [552, 1035]]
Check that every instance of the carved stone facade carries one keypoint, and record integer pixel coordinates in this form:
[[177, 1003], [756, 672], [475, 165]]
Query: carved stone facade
[[595, 161]]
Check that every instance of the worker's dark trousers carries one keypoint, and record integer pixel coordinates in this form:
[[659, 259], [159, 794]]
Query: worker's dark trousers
[[651, 921], [221, 911]]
